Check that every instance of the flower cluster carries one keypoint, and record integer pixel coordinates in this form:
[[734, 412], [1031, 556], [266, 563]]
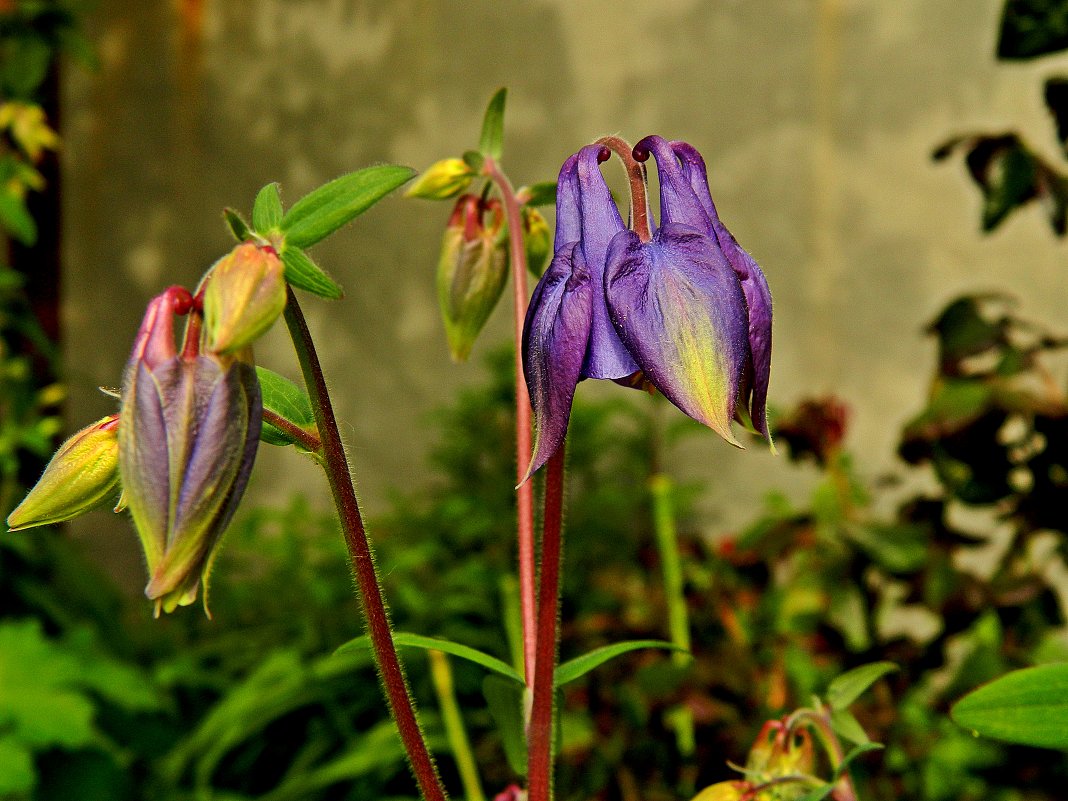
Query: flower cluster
[[185, 438], [681, 306]]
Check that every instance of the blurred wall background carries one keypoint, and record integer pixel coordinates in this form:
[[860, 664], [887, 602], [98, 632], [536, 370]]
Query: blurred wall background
[[817, 119]]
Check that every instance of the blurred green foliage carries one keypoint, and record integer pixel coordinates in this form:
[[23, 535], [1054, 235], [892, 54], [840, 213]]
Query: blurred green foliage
[[955, 587]]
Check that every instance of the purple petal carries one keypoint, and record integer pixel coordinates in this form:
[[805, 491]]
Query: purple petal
[[679, 203], [680, 311], [568, 223], [606, 357], [555, 337]]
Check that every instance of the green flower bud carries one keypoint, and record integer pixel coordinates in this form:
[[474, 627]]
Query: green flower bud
[[83, 474], [472, 271], [442, 180], [245, 293], [537, 239]]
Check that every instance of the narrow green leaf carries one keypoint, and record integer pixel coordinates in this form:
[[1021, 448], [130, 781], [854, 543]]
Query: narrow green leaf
[[542, 193], [267, 209], [818, 794], [404, 639], [287, 400], [859, 750], [505, 702], [16, 220], [324, 210], [847, 727], [491, 143], [303, 273], [845, 689], [581, 665], [1026, 706], [237, 225]]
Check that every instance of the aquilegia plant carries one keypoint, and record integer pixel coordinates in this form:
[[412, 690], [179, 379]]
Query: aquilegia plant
[[677, 307]]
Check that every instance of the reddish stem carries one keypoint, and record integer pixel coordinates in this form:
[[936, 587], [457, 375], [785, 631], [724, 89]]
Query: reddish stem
[[336, 465], [540, 732], [639, 202], [525, 498], [308, 440]]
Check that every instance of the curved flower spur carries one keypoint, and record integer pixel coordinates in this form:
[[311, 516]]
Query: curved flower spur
[[681, 306]]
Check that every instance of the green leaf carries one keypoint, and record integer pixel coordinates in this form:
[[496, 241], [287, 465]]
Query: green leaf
[[303, 273], [474, 160], [17, 773], [16, 220], [505, 702], [856, 751], [845, 689], [267, 209], [287, 400], [818, 794], [324, 210], [238, 227], [491, 143], [404, 639], [1031, 28], [847, 727], [581, 665], [1026, 706], [540, 194]]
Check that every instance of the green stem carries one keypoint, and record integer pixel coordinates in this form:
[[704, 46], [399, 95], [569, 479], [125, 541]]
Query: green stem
[[441, 675], [525, 497], [540, 732], [336, 466], [667, 542]]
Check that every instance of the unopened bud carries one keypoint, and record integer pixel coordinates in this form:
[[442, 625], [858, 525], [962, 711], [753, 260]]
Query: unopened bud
[[442, 180], [83, 474], [472, 271], [537, 239], [244, 295]]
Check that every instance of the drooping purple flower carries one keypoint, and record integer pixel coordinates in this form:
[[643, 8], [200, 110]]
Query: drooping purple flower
[[188, 432], [686, 306]]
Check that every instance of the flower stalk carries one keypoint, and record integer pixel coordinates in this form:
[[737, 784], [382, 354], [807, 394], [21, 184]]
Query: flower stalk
[[336, 466]]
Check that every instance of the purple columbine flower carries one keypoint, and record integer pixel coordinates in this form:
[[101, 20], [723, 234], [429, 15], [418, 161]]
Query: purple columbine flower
[[189, 427], [687, 308]]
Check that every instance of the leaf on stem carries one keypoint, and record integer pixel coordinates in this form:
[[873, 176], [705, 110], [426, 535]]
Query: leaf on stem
[[491, 143], [845, 689], [505, 702], [542, 193], [267, 209], [1026, 706], [326, 209], [404, 639], [303, 273], [581, 665], [288, 401], [237, 225]]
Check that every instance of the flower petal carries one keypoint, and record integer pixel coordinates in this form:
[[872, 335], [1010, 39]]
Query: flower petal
[[679, 309], [555, 338]]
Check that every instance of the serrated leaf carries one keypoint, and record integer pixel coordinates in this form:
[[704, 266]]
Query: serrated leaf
[[237, 225], [404, 639], [505, 702], [847, 727], [326, 209], [267, 209], [303, 273], [1026, 706], [581, 665], [542, 193], [845, 689], [491, 143], [287, 400]]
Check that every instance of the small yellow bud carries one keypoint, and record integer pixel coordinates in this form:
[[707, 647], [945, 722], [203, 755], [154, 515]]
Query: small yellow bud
[[442, 180], [245, 294], [83, 474]]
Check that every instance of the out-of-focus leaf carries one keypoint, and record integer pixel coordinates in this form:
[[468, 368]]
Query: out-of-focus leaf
[[326, 209], [267, 209], [817, 794], [963, 329], [897, 547], [542, 193], [857, 751], [303, 273], [505, 701], [1026, 706], [491, 143], [287, 400], [16, 220], [1056, 96], [1031, 28], [847, 727], [581, 665], [404, 639], [17, 773], [845, 689]]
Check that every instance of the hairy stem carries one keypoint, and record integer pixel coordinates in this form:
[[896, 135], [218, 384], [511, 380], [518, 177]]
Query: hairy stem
[[306, 439], [525, 497], [338, 475], [540, 732], [639, 202]]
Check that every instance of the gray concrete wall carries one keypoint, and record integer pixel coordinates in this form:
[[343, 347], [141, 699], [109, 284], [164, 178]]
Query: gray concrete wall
[[817, 118]]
